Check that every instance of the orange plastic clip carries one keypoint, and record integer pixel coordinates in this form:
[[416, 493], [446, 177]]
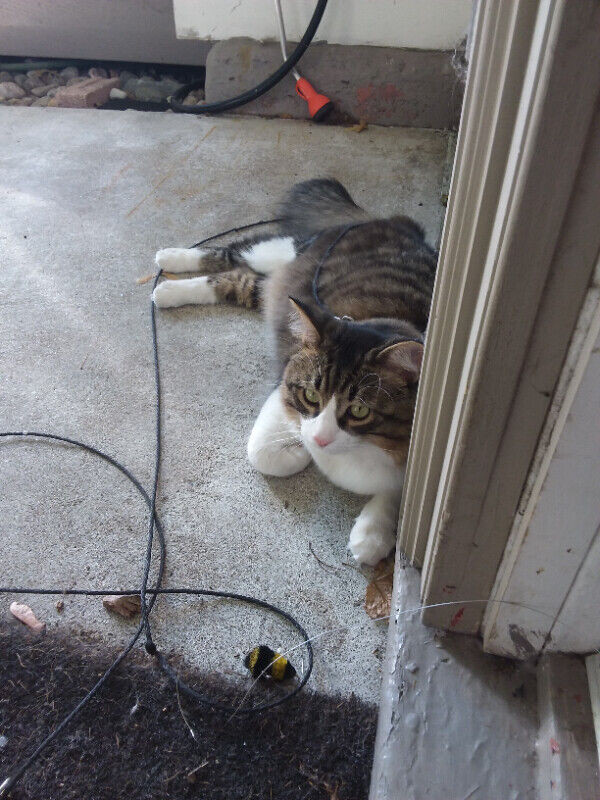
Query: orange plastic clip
[[318, 104]]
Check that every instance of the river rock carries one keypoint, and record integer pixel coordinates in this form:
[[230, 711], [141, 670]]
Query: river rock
[[69, 72], [40, 91], [149, 90], [9, 90]]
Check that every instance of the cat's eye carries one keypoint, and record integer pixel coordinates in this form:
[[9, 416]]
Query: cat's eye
[[359, 410], [311, 395]]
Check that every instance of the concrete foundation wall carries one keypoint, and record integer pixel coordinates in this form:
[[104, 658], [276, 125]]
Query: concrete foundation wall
[[383, 85]]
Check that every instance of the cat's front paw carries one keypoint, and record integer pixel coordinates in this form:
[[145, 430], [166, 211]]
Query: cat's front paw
[[273, 459], [370, 540]]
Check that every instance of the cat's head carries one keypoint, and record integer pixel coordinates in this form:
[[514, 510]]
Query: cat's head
[[352, 382]]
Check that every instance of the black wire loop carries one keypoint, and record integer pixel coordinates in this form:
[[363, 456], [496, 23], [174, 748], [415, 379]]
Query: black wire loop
[[149, 595]]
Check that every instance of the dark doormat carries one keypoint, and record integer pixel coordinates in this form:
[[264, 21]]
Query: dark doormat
[[132, 741]]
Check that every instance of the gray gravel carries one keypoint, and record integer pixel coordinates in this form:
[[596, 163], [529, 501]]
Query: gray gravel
[[26, 88]]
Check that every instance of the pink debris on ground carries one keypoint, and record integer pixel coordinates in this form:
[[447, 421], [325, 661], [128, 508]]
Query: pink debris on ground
[[554, 746], [86, 94], [27, 617]]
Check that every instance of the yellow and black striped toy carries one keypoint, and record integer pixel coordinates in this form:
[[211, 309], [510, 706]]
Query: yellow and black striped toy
[[262, 661]]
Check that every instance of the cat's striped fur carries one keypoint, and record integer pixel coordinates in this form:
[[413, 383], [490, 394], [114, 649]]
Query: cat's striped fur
[[351, 341]]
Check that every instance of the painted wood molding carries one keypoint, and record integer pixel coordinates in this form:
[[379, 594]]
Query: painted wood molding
[[566, 747], [546, 595], [592, 665], [501, 39], [480, 414]]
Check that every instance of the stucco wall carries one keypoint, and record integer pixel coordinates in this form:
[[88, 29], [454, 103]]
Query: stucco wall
[[145, 30], [116, 30], [419, 24]]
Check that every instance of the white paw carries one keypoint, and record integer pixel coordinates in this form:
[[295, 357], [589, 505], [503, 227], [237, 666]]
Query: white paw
[[370, 539], [179, 259], [275, 459], [170, 294]]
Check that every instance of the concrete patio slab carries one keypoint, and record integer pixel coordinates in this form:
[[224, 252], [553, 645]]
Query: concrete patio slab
[[87, 199]]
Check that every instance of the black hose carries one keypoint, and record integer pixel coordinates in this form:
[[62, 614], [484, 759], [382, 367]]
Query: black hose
[[176, 101]]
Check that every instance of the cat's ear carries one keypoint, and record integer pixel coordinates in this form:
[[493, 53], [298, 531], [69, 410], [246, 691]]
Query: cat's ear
[[304, 322], [405, 357]]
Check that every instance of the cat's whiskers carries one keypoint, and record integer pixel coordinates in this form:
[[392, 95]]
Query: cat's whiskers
[[311, 361], [379, 386], [281, 436], [282, 444], [279, 442], [368, 375]]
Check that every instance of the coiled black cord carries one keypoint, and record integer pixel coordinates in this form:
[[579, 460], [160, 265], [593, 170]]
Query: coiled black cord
[[154, 523], [176, 101]]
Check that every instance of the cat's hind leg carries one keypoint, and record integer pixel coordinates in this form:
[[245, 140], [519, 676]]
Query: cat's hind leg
[[274, 446], [238, 287], [191, 259], [263, 254]]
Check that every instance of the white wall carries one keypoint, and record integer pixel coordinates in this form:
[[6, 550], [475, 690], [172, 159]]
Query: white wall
[[419, 24], [112, 30]]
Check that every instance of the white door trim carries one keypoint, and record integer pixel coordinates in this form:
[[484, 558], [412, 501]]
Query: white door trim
[[501, 38]]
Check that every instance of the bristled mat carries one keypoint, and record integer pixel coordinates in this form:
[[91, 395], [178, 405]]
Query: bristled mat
[[133, 741]]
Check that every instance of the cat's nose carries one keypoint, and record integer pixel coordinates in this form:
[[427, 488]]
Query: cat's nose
[[321, 441]]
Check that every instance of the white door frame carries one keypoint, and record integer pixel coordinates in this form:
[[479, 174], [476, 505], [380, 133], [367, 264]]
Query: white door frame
[[546, 591], [518, 250]]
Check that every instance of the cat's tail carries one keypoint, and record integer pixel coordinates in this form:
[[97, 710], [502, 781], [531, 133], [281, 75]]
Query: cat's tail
[[318, 204]]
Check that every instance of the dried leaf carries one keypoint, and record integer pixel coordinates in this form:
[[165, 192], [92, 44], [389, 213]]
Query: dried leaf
[[126, 605], [378, 598], [361, 126], [172, 276], [145, 279], [27, 617]]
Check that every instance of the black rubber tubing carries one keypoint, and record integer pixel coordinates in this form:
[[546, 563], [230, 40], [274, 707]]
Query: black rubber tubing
[[176, 101]]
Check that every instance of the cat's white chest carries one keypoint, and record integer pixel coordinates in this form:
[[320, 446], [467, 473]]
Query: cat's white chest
[[366, 469]]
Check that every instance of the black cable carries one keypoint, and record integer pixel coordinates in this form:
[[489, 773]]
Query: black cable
[[176, 101], [154, 592], [323, 259]]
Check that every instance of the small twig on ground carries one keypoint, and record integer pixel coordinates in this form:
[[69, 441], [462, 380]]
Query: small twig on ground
[[320, 561], [317, 782], [183, 716], [191, 776]]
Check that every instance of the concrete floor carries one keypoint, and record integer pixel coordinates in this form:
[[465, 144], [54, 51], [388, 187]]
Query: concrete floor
[[87, 198]]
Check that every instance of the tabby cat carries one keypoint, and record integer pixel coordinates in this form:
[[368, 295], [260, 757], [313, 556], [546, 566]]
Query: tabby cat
[[347, 298]]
